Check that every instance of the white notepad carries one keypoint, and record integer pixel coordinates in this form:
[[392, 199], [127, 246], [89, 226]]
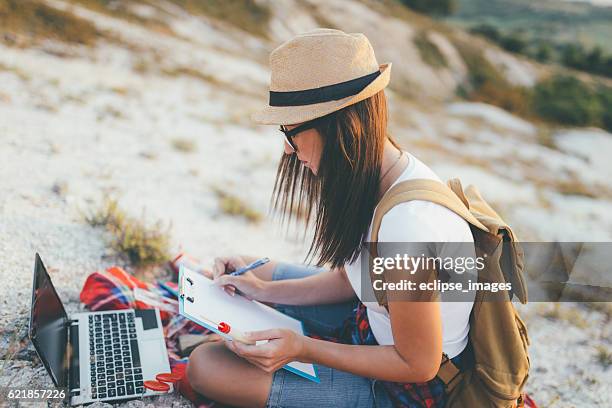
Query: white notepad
[[202, 301]]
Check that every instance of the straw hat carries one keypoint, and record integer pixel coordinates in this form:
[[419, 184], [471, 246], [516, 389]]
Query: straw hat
[[319, 72]]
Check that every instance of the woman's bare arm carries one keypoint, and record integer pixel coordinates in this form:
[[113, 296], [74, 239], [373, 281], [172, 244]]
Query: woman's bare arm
[[331, 286], [326, 287], [415, 356]]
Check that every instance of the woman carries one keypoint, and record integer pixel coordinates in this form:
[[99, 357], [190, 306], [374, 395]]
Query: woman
[[327, 96]]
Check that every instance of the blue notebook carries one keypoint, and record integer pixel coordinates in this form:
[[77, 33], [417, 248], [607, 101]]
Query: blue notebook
[[204, 303]]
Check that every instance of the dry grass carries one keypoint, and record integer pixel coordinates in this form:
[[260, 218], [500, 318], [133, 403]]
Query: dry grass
[[26, 22], [123, 9], [47, 106], [143, 66], [430, 53], [247, 15], [405, 89], [234, 206], [149, 155], [60, 188], [486, 84], [426, 144], [119, 90], [545, 137], [567, 314], [476, 161], [132, 238], [315, 13], [16, 71], [184, 145], [575, 187], [190, 72], [110, 112], [543, 199], [604, 356], [602, 307], [394, 9]]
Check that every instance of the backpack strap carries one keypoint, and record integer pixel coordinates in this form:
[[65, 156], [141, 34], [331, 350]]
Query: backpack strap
[[449, 373], [426, 190], [451, 197]]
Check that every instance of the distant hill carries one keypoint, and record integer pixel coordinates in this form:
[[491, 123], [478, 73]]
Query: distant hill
[[433, 62], [555, 20]]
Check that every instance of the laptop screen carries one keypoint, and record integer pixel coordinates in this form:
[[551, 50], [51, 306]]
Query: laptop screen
[[48, 322]]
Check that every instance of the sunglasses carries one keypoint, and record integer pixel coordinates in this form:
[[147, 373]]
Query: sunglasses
[[290, 134]]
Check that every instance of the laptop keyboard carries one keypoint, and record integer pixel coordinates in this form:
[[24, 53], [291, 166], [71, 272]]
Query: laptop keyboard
[[114, 360]]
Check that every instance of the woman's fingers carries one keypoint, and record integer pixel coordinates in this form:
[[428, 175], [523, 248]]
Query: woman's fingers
[[224, 280], [260, 356], [268, 350], [265, 334], [220, 266], [227, 282], [213, 337], [263, 362], [230, 290], [224, 265]]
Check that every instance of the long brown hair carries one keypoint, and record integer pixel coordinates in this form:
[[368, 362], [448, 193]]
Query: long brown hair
[[341, 198]]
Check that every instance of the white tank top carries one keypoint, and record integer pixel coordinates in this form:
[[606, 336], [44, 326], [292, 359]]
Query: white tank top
[[420, 221]]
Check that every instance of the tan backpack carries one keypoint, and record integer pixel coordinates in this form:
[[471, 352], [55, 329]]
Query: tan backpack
[[500, 363]]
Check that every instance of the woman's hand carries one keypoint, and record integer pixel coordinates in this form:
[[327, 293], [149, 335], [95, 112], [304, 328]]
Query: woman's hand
[[248, 284], [283, 347], [224, 265]]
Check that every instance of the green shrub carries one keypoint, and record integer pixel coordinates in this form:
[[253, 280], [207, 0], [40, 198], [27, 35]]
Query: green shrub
[[131, 238], [429, 52], [579, 57], [486, 30], [514, 42], [436, 7], [605, 97], [570, 54], [486, 84], [543, 51], [35, 20], [567, 100], [561, 99]]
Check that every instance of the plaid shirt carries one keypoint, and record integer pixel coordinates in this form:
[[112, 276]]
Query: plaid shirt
[[404, 395]]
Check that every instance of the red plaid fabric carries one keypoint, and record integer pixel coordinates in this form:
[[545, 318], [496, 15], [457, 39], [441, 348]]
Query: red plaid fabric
[[116, 289], [429, 394]]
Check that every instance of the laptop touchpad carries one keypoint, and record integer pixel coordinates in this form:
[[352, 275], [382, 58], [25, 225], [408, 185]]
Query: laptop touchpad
[[153, 357], [149, 319]]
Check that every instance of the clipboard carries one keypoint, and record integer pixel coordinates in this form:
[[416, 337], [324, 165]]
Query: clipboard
[[205, 303]]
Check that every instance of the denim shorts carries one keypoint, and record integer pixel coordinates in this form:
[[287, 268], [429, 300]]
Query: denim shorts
[[336, 388]]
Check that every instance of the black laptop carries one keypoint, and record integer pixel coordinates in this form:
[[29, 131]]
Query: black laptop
[[95, 356]]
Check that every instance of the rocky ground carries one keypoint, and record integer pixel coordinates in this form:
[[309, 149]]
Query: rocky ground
[[161, 123]]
